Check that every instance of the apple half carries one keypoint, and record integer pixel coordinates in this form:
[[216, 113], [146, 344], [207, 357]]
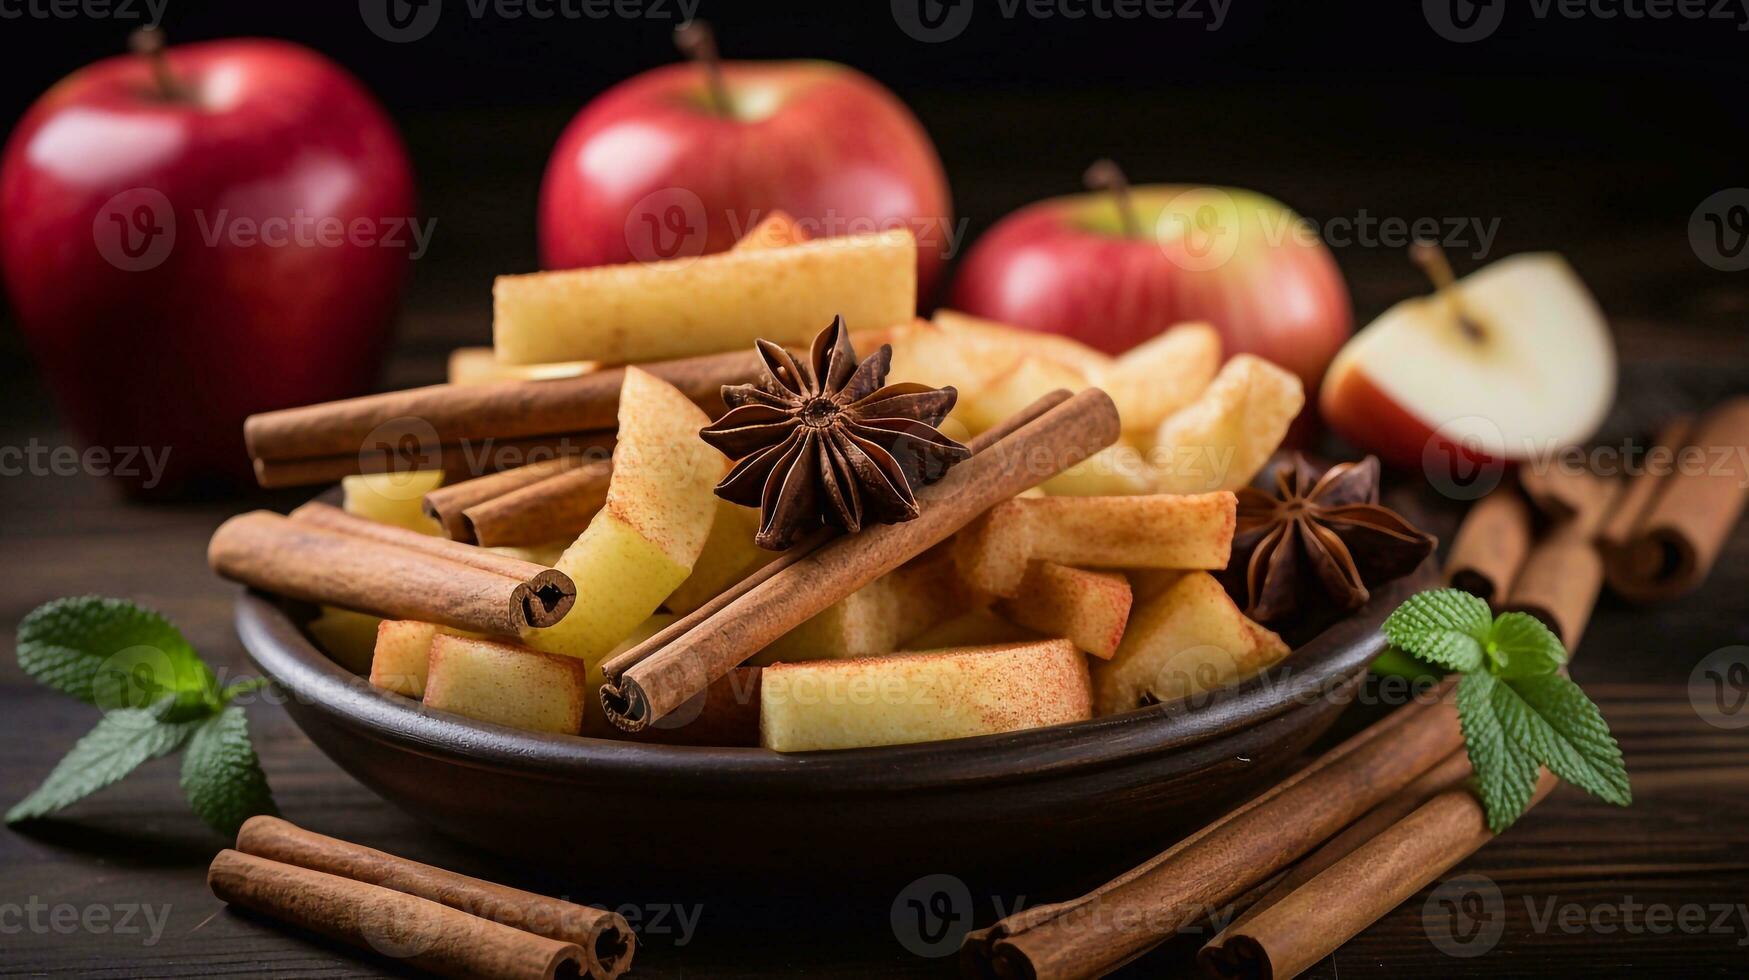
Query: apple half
[[1531, 373]]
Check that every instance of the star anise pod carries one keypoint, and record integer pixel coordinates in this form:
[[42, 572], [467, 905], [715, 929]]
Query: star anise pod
[[822, 442], [1319, 537]]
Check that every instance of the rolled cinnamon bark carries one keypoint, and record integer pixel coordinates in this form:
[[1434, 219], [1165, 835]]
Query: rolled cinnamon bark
[[1490, 546], [1563, 575], [558, 507], [1566, 493], [606, 941], [326, 555], [615, 668], [1674, 542], [1141, 910], [462, 460], [1320, 915], [416, 931], [667, 678], [445, 504], [501, 410], [1642, 487]]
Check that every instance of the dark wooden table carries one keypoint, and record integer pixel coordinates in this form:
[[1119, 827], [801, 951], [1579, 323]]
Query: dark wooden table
[[1583, 889]]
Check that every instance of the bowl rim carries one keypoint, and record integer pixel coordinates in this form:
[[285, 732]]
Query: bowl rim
[[1321, 672]]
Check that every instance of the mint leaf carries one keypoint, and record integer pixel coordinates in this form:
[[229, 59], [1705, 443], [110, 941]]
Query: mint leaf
[[1521, 646], [221, 775], [1568, 734], [1444, 626], [122, 740], [1493, 719], [116, 655]]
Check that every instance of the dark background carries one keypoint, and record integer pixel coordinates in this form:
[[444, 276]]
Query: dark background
[[1596, 137]]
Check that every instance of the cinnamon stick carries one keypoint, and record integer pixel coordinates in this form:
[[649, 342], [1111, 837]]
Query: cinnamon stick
[[1490, 546], [666, 679], [1141, 910], [616, 667], [446, 504], [465, 459], [502, 410], [558, 507], [1674, 541], [1320, 915], [325, 555], [1643, 485], [1563, 575], [416, 931], [606, 941]]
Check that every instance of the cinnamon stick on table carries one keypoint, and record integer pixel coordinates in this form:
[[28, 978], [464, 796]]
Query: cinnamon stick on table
[[1563, 574], [323, 554], [605, 939], [500, 410], [416, 931], [1490, 546], [669, 677], [1140, 910]]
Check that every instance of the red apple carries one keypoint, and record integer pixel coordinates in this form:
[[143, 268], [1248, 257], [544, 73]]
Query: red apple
[[1511, 363], [658, 166], [1113, 274], [194, 234]]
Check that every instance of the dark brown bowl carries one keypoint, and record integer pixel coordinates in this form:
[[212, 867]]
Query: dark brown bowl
[[1108, 784]]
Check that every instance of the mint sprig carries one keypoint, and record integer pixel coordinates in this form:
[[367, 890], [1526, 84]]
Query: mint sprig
[[158, 697], [1518, 711]]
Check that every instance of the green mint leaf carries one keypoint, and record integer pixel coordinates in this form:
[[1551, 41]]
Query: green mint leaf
[[1519, 645], [1394, 662], [122, 740], [221, 775], [1493, 719], [1443, 626], [116, 655], [1567, 733]]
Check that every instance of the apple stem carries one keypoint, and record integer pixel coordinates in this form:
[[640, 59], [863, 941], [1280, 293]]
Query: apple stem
[[148, 43], [1431, 258], [696, 40], [1106, 175]]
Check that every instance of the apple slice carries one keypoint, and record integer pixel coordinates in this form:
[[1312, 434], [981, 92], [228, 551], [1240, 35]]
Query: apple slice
[[1160, 376], [978, 333], [646, 538], [348, 638], [480, 365], [1089, 609], [729, 556], [1538, 373], [682, 307], [925, 353], [1222, 439], [1185, 641], [1193, 531], [392, 498], [980, 627], [922, 697], [506, 684], [776, 230], [1023, 382], [403, 647]]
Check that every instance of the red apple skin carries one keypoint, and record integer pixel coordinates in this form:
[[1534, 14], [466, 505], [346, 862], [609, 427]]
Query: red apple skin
[[837, 151], [177, 354], [1360, 412], [1043, 268]]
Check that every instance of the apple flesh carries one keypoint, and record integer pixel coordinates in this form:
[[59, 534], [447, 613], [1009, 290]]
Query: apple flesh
[[1235, 259], [1538, 375], [652, 169], [140, 246]]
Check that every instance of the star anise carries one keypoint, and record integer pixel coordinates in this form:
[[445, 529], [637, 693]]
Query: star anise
[[1320, 536], [822, 442]]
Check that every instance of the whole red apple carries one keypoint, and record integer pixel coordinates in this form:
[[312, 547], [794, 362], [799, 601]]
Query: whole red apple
[[190, 235], [1114, 269], [681, 160]]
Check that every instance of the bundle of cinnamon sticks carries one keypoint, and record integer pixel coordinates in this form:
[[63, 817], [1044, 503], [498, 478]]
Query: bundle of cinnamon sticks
[[426, 917]]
